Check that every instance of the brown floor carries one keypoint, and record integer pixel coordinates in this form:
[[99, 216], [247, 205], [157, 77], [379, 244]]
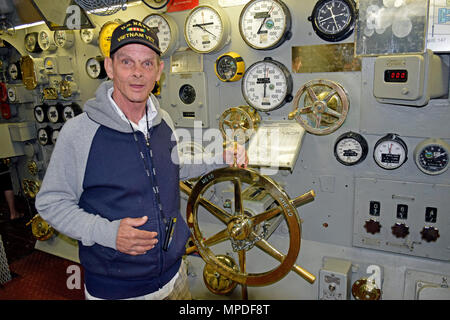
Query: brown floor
[[36, 275]]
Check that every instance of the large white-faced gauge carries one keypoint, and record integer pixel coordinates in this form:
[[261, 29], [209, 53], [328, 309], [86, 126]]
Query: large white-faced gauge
[[350, 148], [167, 31], [89, 36], [432, 156], [64, 38], [95, 68], [31, 42], [207, 29], [46, 41], [229, 67], [333, 20], [267, 85], [390, 152], [265, 24]]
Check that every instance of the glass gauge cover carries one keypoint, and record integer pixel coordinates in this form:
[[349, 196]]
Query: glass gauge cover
[[71, 111], [390, 152], [350, 148], [64, 38], [265, 24], [432, 156], [14, 71], [40, 113], [88, 36], [46, 41], [31, 42], [166, 30], [95, 68], [229, 67], [267, 85], [44, 136], [333, 20], [206, 29]]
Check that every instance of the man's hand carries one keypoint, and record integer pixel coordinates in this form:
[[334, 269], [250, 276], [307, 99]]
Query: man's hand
[[235, 154], [134, 241]]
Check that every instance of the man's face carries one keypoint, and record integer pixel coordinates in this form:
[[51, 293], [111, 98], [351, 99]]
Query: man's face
[[134, 70]]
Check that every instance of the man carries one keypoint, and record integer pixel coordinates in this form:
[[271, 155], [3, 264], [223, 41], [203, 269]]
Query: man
[[111, 183]]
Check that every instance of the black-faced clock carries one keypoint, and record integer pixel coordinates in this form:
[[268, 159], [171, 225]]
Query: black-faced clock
[[350, 148], [333, 20]]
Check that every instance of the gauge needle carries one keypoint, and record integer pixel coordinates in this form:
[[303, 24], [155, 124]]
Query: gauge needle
[[390, 148], [333, 16], [201, 26], [265, 18]]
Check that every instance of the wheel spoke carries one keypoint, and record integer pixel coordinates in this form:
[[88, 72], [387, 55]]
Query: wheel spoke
[[333, 113], [307, 109], [266, 215], [219, 237], [217, 212], [312, 94], [329, 96], [242, 268], [238, 206]]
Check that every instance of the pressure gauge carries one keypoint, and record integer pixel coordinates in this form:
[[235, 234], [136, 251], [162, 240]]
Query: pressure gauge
[[350, 148], [265, 24], [46, 41], [167, 31], [54, 135], [31, 42], [44, 136], [207, 29], [104, 38], [390, 152], [55, 113], [14, 71], [71, 111], [432, 156], [89, 36], [229, 67], [12, 96], [40, 113], [333, 20], [95, 68], [64, 38], [267, 85]]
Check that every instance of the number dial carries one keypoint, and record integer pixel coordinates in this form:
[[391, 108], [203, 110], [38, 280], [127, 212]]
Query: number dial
[[206, 29], [432, 156], [265, 24], [390, 152], [267, 85], [350, 148], [333, 20], [166, 30]]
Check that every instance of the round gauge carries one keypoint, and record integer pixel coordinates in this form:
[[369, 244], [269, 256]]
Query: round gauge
[[54, 135], [55, 113], [44, 136], [95, 68], [390, 152], [432, 156], [71, 111], [46, 41], [229, 67], [167, 31], [31, 42], [104, 38], [40, 113], [89, 36], [350, 148], [14, 71], [156, 4], [206, 29], [265, 24], [187, 94], [267, 85], [333, 20], [64, 38], [12, 97]]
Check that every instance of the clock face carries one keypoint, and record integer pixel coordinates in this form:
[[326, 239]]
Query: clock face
[[166, 30], [206, 29], [267, 85], [333, 20], [265, 24]]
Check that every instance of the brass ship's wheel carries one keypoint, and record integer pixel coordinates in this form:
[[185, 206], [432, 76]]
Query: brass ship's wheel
[[320, 106], [239, 123], [245, 229]]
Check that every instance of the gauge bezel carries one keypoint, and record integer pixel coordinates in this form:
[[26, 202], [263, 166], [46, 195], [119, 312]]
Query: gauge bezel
[[336, 35], [288, 79], [394, 138], [428, 143], [237, 60], [359, 139]]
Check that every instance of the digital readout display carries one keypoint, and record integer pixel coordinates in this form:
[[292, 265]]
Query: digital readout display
[[396, 75]]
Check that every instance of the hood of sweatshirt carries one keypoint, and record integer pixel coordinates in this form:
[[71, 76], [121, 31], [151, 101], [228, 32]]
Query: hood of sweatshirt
[[100, 110]]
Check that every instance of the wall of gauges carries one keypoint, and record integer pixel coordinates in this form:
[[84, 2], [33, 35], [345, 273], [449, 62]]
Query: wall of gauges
[[356, 94]]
